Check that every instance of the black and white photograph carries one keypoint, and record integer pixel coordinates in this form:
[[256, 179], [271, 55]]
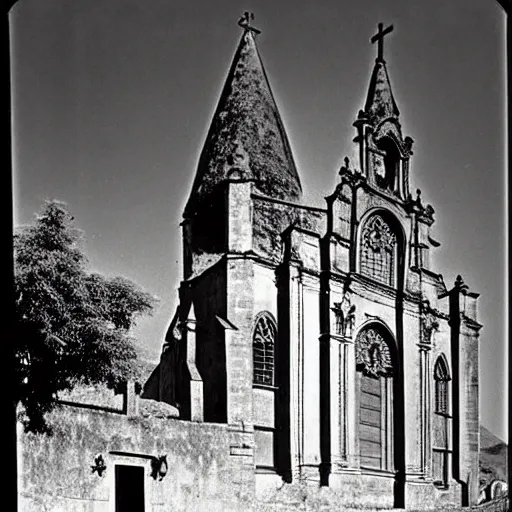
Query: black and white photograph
[[260, 255]]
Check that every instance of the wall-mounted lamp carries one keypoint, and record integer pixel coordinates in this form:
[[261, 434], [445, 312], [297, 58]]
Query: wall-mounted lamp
[[99, 464], [159, 467]]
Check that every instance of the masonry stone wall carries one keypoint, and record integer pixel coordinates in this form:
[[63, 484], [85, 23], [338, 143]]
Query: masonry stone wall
[[208, 294], [206, 465]]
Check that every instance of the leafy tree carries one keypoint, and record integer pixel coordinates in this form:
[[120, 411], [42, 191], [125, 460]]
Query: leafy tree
[[72, 326]]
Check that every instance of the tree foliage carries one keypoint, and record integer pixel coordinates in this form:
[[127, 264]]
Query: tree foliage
[[72, 326]]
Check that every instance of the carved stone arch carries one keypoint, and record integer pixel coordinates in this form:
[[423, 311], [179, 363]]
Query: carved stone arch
[[380, 324], [390, 217], [389, 128], [381, 247], [376, 349]]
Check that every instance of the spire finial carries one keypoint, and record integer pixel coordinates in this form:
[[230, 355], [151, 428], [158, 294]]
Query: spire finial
[[379, 38], [245, 22], [346, 167], [460, 285]]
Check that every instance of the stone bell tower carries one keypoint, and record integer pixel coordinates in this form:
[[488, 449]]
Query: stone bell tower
[[384, 153], [246, 153]]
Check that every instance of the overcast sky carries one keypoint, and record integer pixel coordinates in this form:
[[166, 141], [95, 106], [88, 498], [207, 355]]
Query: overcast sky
[[112, 101]]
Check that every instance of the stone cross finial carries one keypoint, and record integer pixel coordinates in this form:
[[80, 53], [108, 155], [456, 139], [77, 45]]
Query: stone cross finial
[[245, 22], [379, 38]]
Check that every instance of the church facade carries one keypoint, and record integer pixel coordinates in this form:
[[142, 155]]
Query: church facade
[[315, 355], [323, 331]]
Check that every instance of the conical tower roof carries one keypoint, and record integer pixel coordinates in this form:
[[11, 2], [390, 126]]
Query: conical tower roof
[[247, 122], [380, 103]]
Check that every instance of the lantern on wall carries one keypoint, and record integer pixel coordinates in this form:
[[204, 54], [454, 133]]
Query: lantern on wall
[[99, 465], [159, 467]]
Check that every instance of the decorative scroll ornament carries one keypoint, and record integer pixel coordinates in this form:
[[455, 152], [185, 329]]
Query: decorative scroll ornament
[[177, 331], [377, 235], [373, 356]]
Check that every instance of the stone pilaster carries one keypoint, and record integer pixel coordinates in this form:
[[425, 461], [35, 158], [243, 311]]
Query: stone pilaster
[[340, 406], [350, 422], [425, 412], [296, 373]]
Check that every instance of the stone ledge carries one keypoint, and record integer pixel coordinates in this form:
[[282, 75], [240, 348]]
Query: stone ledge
[[244, 451]]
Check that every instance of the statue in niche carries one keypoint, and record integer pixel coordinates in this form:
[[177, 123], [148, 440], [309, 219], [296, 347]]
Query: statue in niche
[[429, 324], [380, 171], [345, 315]]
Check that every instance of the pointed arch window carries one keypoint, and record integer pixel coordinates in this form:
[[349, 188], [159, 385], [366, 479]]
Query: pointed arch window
[[441, 378], [264, 391], [441, 450], [263, 344], [378, 250]]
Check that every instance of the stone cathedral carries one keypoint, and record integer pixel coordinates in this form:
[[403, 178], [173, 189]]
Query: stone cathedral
[[323, 332], [315, 360]]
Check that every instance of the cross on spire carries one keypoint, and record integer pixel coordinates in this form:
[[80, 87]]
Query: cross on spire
[[245, 22], [379, 38]]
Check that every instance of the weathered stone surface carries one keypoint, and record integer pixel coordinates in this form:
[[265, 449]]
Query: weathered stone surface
[[380, 102], [247, 119], [154, 409]]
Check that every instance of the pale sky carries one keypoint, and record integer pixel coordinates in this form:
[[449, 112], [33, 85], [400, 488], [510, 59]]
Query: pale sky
[[112, 101]]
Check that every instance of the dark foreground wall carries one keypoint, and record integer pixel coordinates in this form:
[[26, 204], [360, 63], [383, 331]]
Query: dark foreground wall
[[209, 466]]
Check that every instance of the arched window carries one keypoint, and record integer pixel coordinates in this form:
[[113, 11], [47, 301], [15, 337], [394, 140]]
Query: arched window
[[441, 378], [263, 350], [378, 250], [441, 423], [264, 391], [374, 365]]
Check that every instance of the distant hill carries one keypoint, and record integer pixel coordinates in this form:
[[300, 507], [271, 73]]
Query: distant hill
[[493, 457]]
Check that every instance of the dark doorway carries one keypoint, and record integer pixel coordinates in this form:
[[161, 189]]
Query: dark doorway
[[129, 489]]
